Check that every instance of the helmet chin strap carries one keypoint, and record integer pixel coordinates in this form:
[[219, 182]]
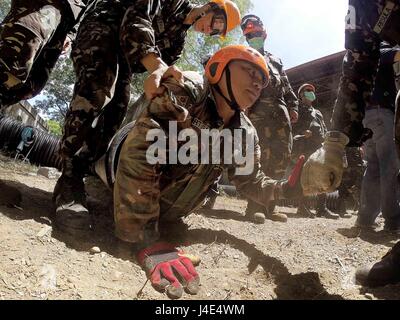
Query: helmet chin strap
[[232, 103]]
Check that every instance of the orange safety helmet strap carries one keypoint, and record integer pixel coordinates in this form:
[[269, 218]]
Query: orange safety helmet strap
[[220, 61]]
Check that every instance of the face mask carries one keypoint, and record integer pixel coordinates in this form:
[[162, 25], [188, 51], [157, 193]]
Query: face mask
[[256, 43], [310, 96]]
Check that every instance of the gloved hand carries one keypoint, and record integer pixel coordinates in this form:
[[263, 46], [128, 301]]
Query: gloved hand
[[169, 270], [323, 170]]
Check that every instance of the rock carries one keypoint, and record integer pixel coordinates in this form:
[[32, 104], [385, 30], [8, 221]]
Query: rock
[[95, 250], [44, 231], [48, 276], [50, 173], [117, 275], [259, 218]]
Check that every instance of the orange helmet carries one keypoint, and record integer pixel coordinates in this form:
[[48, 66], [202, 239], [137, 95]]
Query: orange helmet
[[232, 13], [218, 62], [251, 24]]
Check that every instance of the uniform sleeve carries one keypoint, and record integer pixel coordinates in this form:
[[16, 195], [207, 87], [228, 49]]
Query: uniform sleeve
[[359, 71], [290, 97], [388, 55], [254, 185], [137, 35], [318, 128]]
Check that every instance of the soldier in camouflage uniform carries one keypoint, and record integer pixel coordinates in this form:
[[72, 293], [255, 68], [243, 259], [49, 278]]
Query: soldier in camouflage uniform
[[148, 193], [116, 39], [33, 36], [380, 187], [309, 133], [369, 22], [271, 116]]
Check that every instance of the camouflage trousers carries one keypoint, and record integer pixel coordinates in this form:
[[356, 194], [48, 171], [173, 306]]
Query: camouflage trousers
[[145, 194], [101, 93], [352, 175], [31, 41], [276, 141], [397, 124]]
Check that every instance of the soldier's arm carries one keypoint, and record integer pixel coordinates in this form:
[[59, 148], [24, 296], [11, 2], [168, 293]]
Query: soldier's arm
[[317, 127], [290, 97], [359, 71], [396, 68], [138, 36], [255, 186], [250, 180]]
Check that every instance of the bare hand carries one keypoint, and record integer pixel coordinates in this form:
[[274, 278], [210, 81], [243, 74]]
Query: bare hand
[[66, 46], [152, 85], [294, 116]]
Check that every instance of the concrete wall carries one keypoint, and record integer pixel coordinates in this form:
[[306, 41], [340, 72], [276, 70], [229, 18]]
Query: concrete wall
[[25, 113]]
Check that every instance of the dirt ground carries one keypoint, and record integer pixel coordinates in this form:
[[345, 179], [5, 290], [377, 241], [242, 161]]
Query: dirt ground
[[300, 259]]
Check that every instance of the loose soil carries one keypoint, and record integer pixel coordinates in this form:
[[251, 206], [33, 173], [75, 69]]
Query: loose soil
[[301, 259]]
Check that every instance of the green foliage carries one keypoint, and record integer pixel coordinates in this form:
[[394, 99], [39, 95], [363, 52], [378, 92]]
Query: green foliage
[[199, 47], [54, 127], [58, 92], [4, 8]]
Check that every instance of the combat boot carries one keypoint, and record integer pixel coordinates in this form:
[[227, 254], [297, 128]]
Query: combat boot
[[255, 212], [304, 211], [341, 210], [382, 273], [69, 197], [326, 213], [277, 217], [322, 210], [273, 214]]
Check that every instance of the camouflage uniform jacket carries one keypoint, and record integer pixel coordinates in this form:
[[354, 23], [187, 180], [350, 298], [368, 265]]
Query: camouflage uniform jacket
[[77, 7], [146, 27], [367, 24], [271, 119], [309, 119], [144, 192], [279, 90]]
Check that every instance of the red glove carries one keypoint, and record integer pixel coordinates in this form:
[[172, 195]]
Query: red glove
[[291, 188], [169, 270]]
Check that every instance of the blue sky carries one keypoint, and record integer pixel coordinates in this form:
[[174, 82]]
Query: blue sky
[[302, 30]]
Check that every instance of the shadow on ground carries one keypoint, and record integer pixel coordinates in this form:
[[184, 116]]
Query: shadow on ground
[[36, 204], [371, 236]]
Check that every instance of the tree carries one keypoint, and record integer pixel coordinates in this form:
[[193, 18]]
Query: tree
[[198, 47], [58, 92], [54, 127], [4, 8]]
